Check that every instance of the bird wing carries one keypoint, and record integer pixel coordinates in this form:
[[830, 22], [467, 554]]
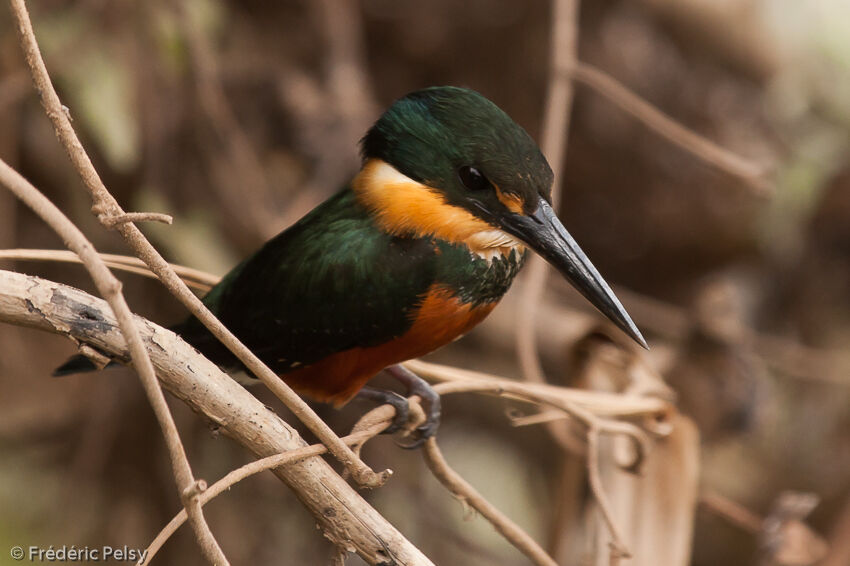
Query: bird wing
[[331, 282]]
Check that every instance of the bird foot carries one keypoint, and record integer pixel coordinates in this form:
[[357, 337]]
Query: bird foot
[[383, 397], [430, 400]]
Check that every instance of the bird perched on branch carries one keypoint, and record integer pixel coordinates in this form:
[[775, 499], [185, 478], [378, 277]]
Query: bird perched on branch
[[415, 251]]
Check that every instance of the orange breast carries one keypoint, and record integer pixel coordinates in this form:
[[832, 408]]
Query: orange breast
[[440, 319]]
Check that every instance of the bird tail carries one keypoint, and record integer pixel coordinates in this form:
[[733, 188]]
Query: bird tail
[[77, 364]]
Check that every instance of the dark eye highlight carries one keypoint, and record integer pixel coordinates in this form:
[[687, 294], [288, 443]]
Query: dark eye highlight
[[472, 178]]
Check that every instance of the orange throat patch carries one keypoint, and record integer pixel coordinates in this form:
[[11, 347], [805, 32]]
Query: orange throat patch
[[404, 206]]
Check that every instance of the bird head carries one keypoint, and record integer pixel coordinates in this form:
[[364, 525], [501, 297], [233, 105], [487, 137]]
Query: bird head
[[446, 162]]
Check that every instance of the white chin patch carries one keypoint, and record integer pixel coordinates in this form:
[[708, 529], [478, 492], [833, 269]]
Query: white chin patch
[[494, 243], [385, 174]]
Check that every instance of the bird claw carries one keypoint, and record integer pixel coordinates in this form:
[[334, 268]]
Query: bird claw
[[402, 414], [419, 441], [421, 435], [430, 401], [399, 403], [415, 386]]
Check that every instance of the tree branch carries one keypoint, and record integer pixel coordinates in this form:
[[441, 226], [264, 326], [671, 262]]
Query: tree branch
[[556, 124], [250, 469], [194, 278], [112, 221], [461, 489], [752, 174]]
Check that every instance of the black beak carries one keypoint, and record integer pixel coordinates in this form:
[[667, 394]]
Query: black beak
[[544, 233]]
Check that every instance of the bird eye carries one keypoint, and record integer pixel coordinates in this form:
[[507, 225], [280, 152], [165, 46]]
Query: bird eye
[[472, 178]]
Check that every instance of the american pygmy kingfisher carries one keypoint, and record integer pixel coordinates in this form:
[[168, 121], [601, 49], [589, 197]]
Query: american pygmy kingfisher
[[415, 251]]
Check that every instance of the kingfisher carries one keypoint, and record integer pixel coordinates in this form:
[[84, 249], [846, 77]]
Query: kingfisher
[[415, 251]]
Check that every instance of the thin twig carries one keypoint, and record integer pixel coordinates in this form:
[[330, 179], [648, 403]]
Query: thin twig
[[751, 173], [598, 403], [105, 203], [595, 427], [619, 548], [463, 491], [367, 427], [255, 198], [556, 123], [112, 221], [110, 288], [248, 470], [732, 511], [195, 278]]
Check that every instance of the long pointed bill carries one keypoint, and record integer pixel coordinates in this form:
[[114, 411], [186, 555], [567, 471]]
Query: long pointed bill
[[545, 234]]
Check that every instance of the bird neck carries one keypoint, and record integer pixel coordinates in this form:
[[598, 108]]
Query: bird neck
[[402, 206]]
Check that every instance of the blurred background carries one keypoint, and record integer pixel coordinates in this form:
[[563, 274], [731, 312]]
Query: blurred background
[[238, 117]]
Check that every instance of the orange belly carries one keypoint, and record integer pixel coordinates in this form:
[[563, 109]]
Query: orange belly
[[440, 319]]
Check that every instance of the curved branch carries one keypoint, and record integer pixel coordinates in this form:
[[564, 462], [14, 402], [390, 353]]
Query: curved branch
[[235, 476], [194, 278], [751, 173], [597, 403], [556, 124], [461, 489]]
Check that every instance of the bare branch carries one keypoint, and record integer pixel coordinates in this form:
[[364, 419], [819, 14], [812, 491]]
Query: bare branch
[[571, 402], [194, 278], [468, 494], [344, 517], [556, 123], [732, 511], [105, 203], [752, 174], [250, 469], [255, 197], [619, 549], [594, 402], [112, 221]]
